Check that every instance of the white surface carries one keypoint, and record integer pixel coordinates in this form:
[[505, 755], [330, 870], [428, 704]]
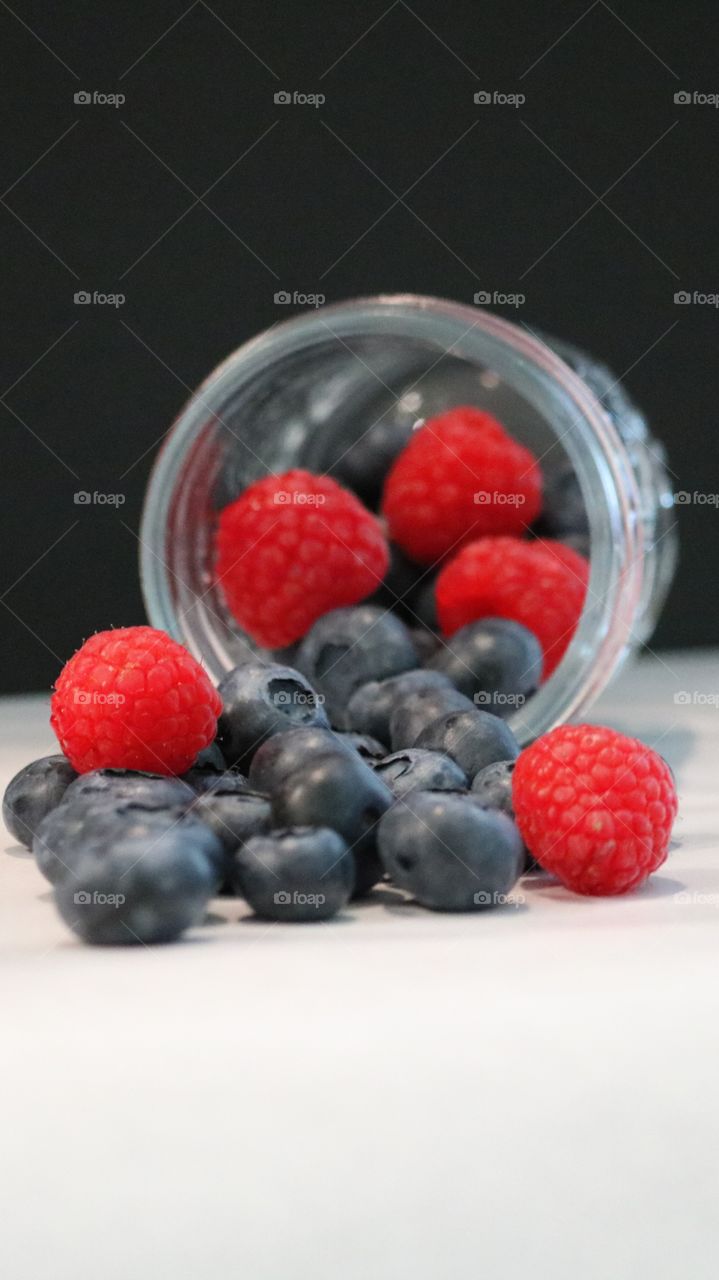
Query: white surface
[[398, 1094]]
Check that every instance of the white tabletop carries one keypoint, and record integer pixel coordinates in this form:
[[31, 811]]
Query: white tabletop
[[396, 1094]]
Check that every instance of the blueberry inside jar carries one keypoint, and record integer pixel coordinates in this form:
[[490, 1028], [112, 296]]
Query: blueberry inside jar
[[556, 461]]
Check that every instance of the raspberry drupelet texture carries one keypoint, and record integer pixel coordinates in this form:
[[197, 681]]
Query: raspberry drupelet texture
[[134, 699], [291, 548], [460, 477], [594, 807], [540, 584]]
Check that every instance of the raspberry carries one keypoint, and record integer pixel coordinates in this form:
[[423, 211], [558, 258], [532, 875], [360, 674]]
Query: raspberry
[[460, 477], [291, 548], [594, 807], [542, 585], [134, 699]]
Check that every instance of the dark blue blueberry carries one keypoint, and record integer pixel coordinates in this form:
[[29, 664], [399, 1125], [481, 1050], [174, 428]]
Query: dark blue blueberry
[[365, 746], [450, 854], [114, 785], [420, 707], [211, 758], [204, 778], [33, 793], [300, 874], [413, 770], [370, 708], [92, 826], [140, 889], [495, 662], [364, 465], [287, 752], [473, 738], [262, 699], [425, 642], [233, 816], [347, 647], [492, 788], [563, 507], [340, 791]]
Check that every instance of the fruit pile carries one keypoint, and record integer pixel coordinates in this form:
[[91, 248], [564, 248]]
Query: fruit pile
[[371, 749]]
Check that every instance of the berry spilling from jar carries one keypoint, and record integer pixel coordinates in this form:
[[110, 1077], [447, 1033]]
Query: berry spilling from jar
[[378, 748]]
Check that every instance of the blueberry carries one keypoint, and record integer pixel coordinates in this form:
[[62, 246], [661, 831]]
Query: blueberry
[[304, 873], [340, 791], [448, 853], [233, 816], [348, 647], [204, 778], [425, 642], [139, 889], [563, 508], [420, 707], [365, 745], [370, 708], [211, 758], [33, 793], [496, 662], [492, 788], [473, 738], [413, 770], [259, 700], [287, 752], [75, 830], [123, 784], [364, 465]]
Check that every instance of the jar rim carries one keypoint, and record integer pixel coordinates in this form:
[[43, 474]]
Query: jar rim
[[591, 440]]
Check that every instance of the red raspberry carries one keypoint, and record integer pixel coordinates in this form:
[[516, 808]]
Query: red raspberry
[[541, 584], [594, 807], [460, 477], [291, 548], [134, 699]]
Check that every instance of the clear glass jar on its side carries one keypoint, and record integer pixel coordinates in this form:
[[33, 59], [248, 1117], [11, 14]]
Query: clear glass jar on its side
[[304, 391]]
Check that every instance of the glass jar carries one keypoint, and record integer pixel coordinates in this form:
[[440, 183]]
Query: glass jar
[[304, 391]]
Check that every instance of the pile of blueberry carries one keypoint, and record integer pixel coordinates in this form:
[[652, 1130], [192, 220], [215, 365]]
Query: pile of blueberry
[[355, 765]]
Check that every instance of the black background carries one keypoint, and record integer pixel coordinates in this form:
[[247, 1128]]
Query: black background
[[499, 198]]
